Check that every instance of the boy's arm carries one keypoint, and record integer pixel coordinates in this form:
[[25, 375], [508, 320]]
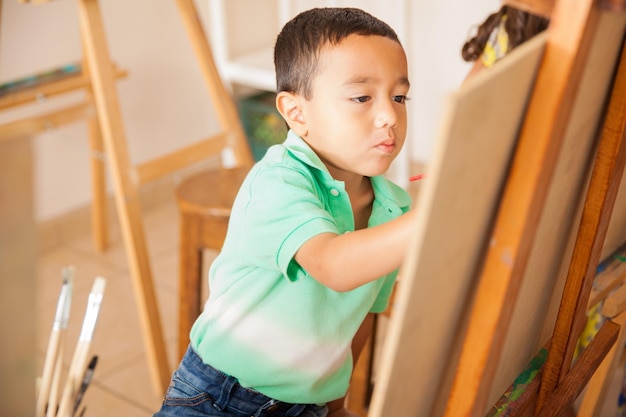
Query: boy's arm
[[337, 408], [345, 262]]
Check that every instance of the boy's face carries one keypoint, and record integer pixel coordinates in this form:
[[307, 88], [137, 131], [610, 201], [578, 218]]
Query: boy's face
[[356, 117]]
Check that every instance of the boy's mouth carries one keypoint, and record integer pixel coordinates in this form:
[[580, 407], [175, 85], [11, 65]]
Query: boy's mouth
[[386, 146]]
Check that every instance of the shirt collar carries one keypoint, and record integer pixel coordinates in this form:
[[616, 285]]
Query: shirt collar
[[303, 152]]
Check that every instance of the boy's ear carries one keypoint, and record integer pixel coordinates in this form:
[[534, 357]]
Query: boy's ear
[[288, 105]]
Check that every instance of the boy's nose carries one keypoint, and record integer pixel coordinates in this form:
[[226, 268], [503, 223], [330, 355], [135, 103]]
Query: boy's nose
[[386, 116]]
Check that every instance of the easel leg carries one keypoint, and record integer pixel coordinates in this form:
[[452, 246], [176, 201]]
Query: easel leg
[[599, 202], [126, 196], [573, 383], [224, 105], [99, 223]]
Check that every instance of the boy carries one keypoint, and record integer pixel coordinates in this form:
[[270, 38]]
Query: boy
[[292, 292]]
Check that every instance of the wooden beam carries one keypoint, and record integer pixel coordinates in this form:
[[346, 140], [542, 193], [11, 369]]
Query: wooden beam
[[604, 184], [99, 212], [226, 111], [43, 122], [126, 195], [72, 81], [574, 382], [181, 158], [597, 388], [519, 399]]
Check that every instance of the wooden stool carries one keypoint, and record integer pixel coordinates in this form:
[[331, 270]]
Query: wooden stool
[[204, 202]]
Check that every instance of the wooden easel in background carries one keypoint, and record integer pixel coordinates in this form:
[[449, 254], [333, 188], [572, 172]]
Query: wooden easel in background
[[127, 178], [72, 78], [525, 239], [98, 78]]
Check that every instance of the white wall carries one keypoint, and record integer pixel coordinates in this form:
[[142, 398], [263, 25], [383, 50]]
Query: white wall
[[164, 104], [437, 31]]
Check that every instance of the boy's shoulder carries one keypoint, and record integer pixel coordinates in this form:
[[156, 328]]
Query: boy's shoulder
[[280, 169], [280, 157]]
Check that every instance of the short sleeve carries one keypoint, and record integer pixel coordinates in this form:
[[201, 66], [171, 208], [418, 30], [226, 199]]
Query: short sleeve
[[382, 299], [283, 208]]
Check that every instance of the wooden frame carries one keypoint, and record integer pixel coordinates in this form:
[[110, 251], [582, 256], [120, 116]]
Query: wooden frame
[[127, 178], [451, 355]]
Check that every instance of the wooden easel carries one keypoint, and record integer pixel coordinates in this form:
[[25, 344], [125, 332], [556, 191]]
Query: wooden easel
[[560, 381], [99, 79], [517, 222], [468, 348], [609, 282], [127, 178]]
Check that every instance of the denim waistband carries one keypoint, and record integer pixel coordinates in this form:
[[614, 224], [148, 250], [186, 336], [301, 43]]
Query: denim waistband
[[226, 391]]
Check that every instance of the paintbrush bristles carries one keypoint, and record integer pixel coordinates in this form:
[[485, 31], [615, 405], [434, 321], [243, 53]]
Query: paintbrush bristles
[[93, 308]]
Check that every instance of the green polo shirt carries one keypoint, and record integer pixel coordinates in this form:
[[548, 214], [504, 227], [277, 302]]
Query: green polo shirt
[[267, 322]]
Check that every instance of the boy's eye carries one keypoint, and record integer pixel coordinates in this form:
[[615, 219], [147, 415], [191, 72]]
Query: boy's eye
[[362, 99], [399, 99]]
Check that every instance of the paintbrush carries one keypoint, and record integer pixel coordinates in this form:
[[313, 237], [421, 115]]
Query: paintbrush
[[55, 343], [53, 398], [79, 361], [85, 383]]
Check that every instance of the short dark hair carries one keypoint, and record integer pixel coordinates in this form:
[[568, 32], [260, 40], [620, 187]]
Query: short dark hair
[[297, 48]]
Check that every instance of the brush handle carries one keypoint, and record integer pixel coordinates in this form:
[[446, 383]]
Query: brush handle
[[74, 379], [48, 368], [53, 398]]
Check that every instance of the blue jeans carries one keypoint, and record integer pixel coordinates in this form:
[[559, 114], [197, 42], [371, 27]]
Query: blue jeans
[[197, 389]]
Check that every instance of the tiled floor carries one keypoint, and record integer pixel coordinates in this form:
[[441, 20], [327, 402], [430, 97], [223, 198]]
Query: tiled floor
[[121, 384]]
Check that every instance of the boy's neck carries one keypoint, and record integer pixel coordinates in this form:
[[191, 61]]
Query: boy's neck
[[361, 196]]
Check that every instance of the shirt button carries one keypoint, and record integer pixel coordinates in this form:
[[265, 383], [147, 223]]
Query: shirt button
[[334, 192]]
